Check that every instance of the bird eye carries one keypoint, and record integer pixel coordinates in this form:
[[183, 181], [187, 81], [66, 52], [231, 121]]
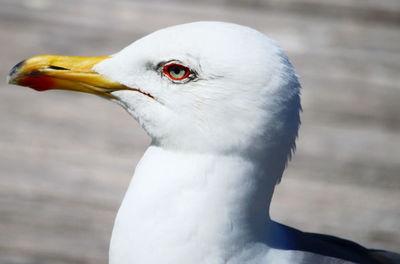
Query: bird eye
[[176, 72]]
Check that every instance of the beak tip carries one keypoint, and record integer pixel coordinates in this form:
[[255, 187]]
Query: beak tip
[[8, 79], [14, 72]]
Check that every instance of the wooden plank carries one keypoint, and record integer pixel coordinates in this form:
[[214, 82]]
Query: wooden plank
[[66, 159]]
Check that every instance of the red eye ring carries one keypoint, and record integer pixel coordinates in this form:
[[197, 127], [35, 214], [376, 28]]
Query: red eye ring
[[176, 72]]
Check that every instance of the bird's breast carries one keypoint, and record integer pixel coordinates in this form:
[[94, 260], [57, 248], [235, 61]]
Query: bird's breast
[[182, 205]]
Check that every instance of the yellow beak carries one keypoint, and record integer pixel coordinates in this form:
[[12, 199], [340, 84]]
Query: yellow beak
[[48, 72]]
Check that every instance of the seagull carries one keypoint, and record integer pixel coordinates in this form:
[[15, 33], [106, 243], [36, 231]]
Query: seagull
[[221, 103]]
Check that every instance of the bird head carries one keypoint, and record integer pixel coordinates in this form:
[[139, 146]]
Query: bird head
[[204, 86]]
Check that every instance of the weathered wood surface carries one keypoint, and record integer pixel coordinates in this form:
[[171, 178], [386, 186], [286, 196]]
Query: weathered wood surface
[[66, 158]]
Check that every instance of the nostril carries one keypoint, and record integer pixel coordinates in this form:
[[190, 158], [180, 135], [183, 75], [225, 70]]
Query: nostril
[[53, 67]]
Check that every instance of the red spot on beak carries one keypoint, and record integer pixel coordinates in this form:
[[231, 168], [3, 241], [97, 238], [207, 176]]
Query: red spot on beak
[[39, 83]]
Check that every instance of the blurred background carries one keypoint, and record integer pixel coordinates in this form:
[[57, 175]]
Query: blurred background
[[66, 158]]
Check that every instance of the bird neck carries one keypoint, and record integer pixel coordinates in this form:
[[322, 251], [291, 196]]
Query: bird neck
[[218, 201]]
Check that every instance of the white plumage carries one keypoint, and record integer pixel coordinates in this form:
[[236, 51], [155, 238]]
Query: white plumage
[[201, 192], [220, 143]]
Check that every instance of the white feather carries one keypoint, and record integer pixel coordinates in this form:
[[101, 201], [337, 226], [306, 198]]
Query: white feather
[[201, 192]]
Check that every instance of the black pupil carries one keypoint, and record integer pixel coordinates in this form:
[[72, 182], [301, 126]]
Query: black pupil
[[175, 69]]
